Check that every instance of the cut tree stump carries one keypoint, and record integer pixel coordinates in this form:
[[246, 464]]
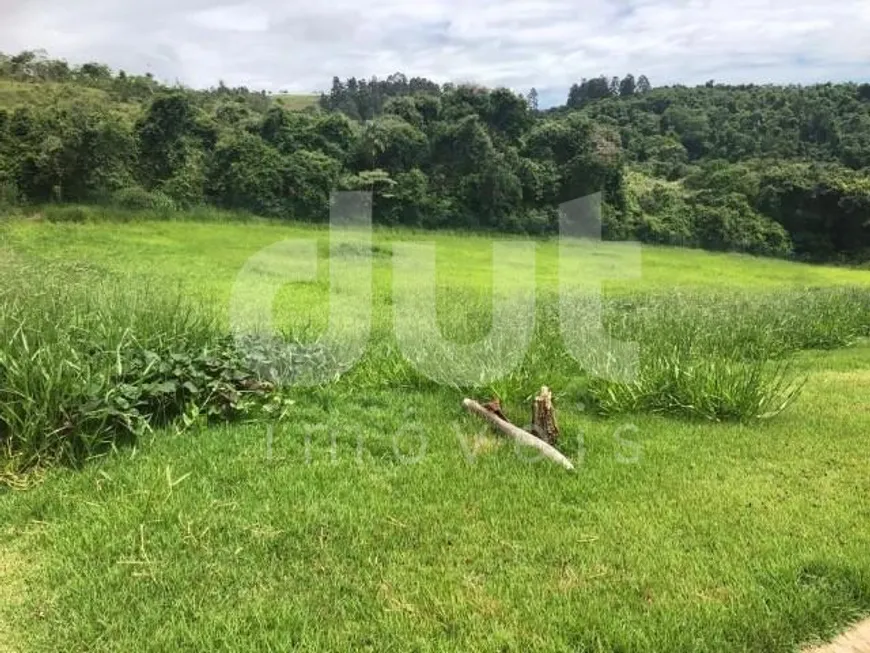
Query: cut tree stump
[[544, 417]]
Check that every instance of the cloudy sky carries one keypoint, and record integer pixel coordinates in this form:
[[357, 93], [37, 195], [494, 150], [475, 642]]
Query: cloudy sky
[[298, 45]]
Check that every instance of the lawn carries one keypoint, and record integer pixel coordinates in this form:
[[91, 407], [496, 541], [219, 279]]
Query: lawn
[[378, 516]]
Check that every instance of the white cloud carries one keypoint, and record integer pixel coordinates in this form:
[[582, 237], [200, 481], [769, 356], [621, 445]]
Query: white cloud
[[546, 43], [231, 18]]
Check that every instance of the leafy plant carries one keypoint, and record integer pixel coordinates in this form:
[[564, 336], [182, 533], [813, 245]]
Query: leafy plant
[[93, 363]]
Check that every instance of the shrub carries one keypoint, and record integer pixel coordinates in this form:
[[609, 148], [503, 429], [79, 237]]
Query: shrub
[[538, 222], [68, 213], [135, 198]]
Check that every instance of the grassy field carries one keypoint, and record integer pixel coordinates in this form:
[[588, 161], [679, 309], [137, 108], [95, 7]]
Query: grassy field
[[377, 516], [296, 102]]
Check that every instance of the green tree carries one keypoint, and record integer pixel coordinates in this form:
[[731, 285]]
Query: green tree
[[507, 114], [246, 173], [643, 85], [309, 178], [166, 135], [392, 144], [532, 99], [628, 86]]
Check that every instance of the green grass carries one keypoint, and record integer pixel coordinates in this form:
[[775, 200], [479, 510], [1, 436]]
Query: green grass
[[337, 529], [183, 251], [15, 94], [296, 101]]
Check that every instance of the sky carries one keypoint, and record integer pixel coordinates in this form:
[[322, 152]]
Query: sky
[[299, 45]]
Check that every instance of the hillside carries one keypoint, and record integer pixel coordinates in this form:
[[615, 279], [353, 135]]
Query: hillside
[[779, 171]]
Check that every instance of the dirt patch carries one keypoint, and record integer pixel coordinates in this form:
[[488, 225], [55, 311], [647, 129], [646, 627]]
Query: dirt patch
[[855, 640]]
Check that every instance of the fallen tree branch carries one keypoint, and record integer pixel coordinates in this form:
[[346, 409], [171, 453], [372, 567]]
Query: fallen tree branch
[[519, 435]]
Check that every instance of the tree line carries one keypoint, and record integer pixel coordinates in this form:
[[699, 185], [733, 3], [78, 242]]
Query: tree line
[[599, 88], [762, 169]]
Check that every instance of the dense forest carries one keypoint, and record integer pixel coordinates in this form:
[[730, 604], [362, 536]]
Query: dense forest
[[774, 170]]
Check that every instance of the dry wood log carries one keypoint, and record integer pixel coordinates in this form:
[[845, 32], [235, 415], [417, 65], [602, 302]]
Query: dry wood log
[[516, 433]]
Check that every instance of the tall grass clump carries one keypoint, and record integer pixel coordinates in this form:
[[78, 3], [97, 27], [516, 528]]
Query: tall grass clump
[[721, 356], [65, 339], [725, 356], [87, 362], [821, 318], [700, 360]]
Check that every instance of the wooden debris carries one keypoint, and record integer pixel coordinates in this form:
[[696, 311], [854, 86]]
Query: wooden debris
[[496, 418], [494, 407], [544, 417]]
